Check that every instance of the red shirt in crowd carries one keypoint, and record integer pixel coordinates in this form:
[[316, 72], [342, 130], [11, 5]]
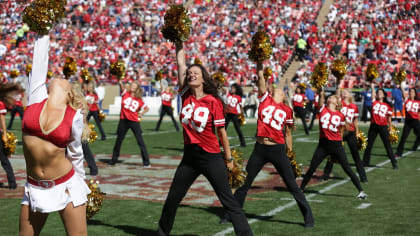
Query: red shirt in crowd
[[92, 101], [298, 100], [199, 117], [233, 104], [330, 123], [350, 112], [412, 109], [272, 117], [166, 98], [130, 106], [380, 113]]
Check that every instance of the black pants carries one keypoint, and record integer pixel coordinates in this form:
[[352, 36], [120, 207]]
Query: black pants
[[352, 142], [236, 123], [123, 127], [166, 110], [416, 143], [300, 112], [336, 150], [374, 129], [95, 115], [276, 155], [196, 161], [253, 108], [408, 125], [5, 163], [89, 159], [15, 109], [314, 113], [365, 111]]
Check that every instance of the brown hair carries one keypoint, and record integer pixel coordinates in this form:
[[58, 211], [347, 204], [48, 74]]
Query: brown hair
[[139, 91], [5, 93], [210, 86]]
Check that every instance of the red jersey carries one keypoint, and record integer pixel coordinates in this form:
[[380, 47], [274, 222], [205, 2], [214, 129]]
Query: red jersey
[[130, 106], [199, 117], [233, 104], [18, 99], [298, 100], [316, 100], [166, 99], [272, 117], [412, 109], [3, 109], [350, 112], [60, 136], [330, 123], [92, 101], [380, 113]]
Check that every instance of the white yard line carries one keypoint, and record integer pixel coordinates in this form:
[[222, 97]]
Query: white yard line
[[364, 205], [308, 197]]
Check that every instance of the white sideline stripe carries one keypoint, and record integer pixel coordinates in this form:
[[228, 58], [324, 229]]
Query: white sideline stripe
[[364, 205], [292, 203]]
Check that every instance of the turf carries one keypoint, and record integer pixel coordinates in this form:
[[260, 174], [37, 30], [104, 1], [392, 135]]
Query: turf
[[393, 196]]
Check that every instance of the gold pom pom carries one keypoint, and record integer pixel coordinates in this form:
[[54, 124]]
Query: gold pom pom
[[177, 26], [28, 68], [159, 76], [261, 49], [101, 115], [10, 145], [393, 135], [140, 119], [86, 75], [118, 69], [70, 67], [267, 73], [92, 133], [361, 141], [218, 76], [14, 73], [297, 168], [400, 76], [40, 15], [241, 118], [302, 85], [238, 174], [319, 76], [339, 69], [197, 61], [49, 74], [95, 199], [371, 72]]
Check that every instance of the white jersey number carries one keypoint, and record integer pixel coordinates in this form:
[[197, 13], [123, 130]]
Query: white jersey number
[[275, 121], [131, 104], [166, 97], [412, 106], [330, 124], [348, 113], [201, 115], [380, 110], [297, 98]]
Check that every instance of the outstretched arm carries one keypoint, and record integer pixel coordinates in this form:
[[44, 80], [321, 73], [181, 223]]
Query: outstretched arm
[[182, 66], [321, 98], [261, 81], [37, 90], [372, 87]]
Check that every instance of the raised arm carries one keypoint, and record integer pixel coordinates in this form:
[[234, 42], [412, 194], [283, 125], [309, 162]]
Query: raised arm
[[261, 81], [372, 88], [37, 90], [120, 83], [182, 66], [402, 90], [321, 98]]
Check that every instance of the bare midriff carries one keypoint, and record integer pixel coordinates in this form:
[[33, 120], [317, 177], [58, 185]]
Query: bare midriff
[[266, 141]]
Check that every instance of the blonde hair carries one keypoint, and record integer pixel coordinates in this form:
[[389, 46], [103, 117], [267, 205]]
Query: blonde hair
[[139, 91], [78, 101], [351, 95]]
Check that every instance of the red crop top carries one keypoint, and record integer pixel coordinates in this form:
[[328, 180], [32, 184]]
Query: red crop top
[[60, 136]]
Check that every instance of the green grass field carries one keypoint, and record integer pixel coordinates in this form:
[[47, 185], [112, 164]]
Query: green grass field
[[393, 195]]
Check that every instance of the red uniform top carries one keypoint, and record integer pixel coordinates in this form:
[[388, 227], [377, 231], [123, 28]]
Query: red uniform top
[[298, 100], [199, 117], [130, 106], [316, 100], [412, 109], [60, 136], [92, 101], [18, 99], [166, 99], [3, 109], [272, 117], [233, 104], [350, 112], [380, 113], [330, 121]]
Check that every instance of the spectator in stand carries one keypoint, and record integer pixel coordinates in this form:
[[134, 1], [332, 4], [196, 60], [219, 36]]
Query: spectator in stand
[[397, 97], [310, 95]]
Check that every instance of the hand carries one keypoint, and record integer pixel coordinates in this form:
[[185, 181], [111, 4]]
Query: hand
[[4, 138], [229, 165]]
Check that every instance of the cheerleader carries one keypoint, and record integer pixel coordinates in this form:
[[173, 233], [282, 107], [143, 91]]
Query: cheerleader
[[314, 110], [331, 123], [18, 106], [52, 131], [132, 107], [167, 96], [412, 111], [380, 123], [201, 115], [93, 103], [351, 114], [6, 99], [298, 101], [234, 109], [274, 118]]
